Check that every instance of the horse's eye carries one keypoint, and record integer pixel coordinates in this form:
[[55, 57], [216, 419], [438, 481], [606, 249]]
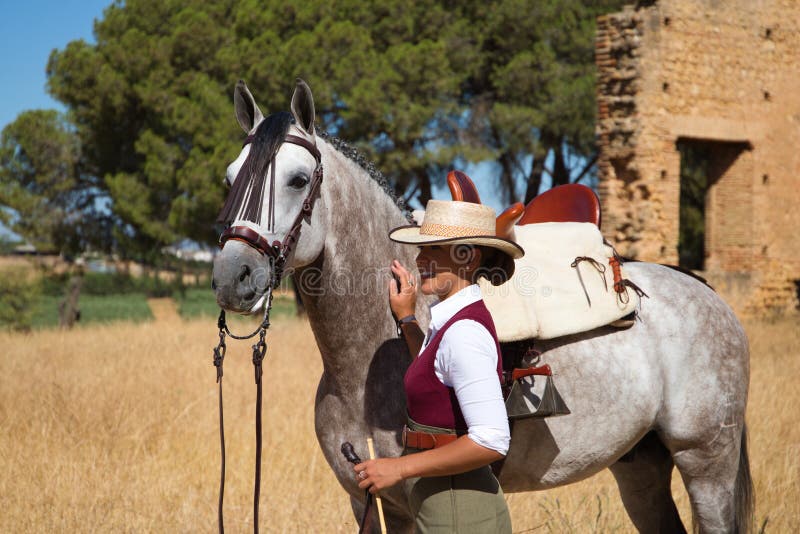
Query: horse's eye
[[298, 181]]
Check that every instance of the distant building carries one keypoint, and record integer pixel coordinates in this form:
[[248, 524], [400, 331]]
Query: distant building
[[721, 79], [190, 252], [26, 249]]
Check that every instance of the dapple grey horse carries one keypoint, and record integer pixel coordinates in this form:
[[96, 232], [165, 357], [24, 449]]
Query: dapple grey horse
[[670, 391]]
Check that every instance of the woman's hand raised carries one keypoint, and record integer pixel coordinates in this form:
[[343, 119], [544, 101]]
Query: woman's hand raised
[[404, 301]]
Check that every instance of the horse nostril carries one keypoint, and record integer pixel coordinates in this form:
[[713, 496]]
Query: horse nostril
[[250, 296], [214, 284], [245, 272]]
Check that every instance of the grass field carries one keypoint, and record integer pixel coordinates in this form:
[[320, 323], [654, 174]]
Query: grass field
[[193, 303], [200, 302], [94, 309], [113, 428]]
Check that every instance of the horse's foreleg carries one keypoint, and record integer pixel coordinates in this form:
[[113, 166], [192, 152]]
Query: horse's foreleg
[[643, 477]]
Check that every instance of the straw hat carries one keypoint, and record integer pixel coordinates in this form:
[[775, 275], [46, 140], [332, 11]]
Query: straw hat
[[453, 222]]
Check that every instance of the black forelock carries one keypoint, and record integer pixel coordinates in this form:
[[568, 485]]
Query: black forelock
[[268, 138]]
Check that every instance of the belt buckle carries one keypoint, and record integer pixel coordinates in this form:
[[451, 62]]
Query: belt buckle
[[433, 438], [405, 435]]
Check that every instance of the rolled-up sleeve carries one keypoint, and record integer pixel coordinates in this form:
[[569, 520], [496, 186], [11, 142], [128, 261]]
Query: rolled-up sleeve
[[467, 362]]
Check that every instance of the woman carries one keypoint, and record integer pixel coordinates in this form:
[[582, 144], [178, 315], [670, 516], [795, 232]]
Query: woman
[[457, 423]]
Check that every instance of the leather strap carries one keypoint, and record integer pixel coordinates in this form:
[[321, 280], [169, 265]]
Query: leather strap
[[305, 143], [219, 358], [222, 465], [543, 370], [257, 484], [426, 440], [249, 236], [277, 248]]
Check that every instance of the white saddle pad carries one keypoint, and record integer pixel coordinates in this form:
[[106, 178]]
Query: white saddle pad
[[545, 298]]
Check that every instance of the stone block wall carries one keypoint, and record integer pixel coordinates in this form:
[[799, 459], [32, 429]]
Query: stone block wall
[[721, 73]]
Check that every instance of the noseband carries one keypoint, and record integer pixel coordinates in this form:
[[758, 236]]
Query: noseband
[[278, 251]]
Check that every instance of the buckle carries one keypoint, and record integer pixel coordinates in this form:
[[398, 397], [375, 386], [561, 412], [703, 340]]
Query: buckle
[[405, 435]]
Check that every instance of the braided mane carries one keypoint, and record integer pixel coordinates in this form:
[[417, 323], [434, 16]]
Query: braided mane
[[361, 160]]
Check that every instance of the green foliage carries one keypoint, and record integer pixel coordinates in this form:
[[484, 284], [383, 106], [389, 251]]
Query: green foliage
[[7, 244], [94, 309], [40, 180], [152, 102], [536, 89], [420, 86], [18, 297]]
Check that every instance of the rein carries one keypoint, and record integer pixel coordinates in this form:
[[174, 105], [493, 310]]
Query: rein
[[277, 253], [259, 351]]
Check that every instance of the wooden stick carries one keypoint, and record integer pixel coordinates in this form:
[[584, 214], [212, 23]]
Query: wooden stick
[[371, 448]]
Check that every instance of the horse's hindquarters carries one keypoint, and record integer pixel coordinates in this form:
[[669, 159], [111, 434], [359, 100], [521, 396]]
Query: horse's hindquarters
[[681, 370]]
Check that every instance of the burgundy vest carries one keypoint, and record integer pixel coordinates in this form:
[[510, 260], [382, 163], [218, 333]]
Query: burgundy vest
[[429, 401]]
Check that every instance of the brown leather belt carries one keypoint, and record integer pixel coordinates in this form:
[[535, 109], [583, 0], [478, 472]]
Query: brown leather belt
[[426, 440]]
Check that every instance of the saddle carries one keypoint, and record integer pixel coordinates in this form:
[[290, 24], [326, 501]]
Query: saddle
[[569, 281], [564, 203]]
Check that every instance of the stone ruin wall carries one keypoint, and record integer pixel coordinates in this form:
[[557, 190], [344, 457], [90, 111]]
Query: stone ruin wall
[[705, 70]]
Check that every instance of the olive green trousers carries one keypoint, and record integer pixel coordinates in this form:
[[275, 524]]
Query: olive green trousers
[[467, 503]]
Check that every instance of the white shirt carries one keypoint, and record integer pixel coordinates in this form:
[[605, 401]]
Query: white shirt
[[467, 361]]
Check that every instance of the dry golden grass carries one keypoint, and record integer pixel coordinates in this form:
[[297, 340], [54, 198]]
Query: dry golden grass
[[114, 428]]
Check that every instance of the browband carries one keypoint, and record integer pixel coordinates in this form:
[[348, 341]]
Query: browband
[[294, 140]]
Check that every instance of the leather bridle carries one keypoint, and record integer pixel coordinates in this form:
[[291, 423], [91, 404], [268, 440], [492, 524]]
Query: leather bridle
[[280, 249], [277, 252]]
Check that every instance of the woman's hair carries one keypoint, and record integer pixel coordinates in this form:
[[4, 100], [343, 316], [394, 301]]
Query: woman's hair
[[496, 266]]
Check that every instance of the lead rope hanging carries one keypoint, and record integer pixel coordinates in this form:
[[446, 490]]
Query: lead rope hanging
[[219, 357], [259, 352]]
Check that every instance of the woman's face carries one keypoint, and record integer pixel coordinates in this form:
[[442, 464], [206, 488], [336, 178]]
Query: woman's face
[[445, 269]]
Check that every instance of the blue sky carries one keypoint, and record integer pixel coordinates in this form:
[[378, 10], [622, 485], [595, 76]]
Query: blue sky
[[29, 31]]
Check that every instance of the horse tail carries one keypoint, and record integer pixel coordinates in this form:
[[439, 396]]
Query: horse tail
[[743, 494]]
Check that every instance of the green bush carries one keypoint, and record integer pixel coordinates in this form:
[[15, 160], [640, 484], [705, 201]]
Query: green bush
[[18, 297]]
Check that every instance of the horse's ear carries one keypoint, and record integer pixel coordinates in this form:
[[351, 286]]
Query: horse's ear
[[303, 106], [247, 112]]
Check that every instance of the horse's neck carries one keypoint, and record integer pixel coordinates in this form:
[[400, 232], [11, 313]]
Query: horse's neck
[[345, 291]]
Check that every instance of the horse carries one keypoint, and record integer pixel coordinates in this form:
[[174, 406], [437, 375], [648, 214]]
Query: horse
[[669, 391]]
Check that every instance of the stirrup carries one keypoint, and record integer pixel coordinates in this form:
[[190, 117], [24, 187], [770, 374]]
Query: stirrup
[[530, 396]]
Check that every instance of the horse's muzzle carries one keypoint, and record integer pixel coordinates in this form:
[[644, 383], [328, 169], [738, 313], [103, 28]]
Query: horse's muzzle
[[240, 277]]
